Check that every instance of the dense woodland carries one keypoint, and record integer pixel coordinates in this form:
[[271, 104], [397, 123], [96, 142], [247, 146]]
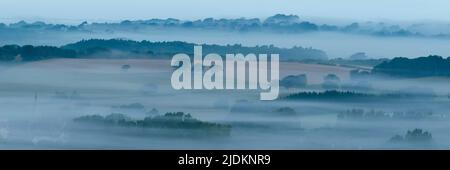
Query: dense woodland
[[419, 67], [146, 49]]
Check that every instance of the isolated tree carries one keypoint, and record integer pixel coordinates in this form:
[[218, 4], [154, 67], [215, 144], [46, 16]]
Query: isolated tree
[[331, 81], [126, 67], [294, 81]]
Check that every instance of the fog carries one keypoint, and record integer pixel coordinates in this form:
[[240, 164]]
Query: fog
[[334, 44], [40, 100]]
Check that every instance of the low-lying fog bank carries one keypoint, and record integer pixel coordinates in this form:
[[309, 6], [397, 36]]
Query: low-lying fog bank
[[40, 102], [334, 44]]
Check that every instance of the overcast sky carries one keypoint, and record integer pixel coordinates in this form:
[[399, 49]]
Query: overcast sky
[[113, 10]]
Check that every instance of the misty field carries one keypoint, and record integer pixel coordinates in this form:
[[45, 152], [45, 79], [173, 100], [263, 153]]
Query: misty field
[[40, 100]]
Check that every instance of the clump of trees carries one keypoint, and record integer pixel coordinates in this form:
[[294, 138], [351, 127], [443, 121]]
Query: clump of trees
[[328, 95], [416, 136], [170, 120], [331, 81], [126, 67], [339, 95], [294, 81], [34, 53], [432, 65]]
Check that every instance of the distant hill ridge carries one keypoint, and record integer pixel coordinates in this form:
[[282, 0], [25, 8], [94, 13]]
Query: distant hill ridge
[[144, 49], [279, 23], [118, 48], [432, 65]]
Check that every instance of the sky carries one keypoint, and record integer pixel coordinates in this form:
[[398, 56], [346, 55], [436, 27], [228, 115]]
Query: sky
[[115, 10]]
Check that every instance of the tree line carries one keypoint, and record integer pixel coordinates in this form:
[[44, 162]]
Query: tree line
[[133, 49]]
